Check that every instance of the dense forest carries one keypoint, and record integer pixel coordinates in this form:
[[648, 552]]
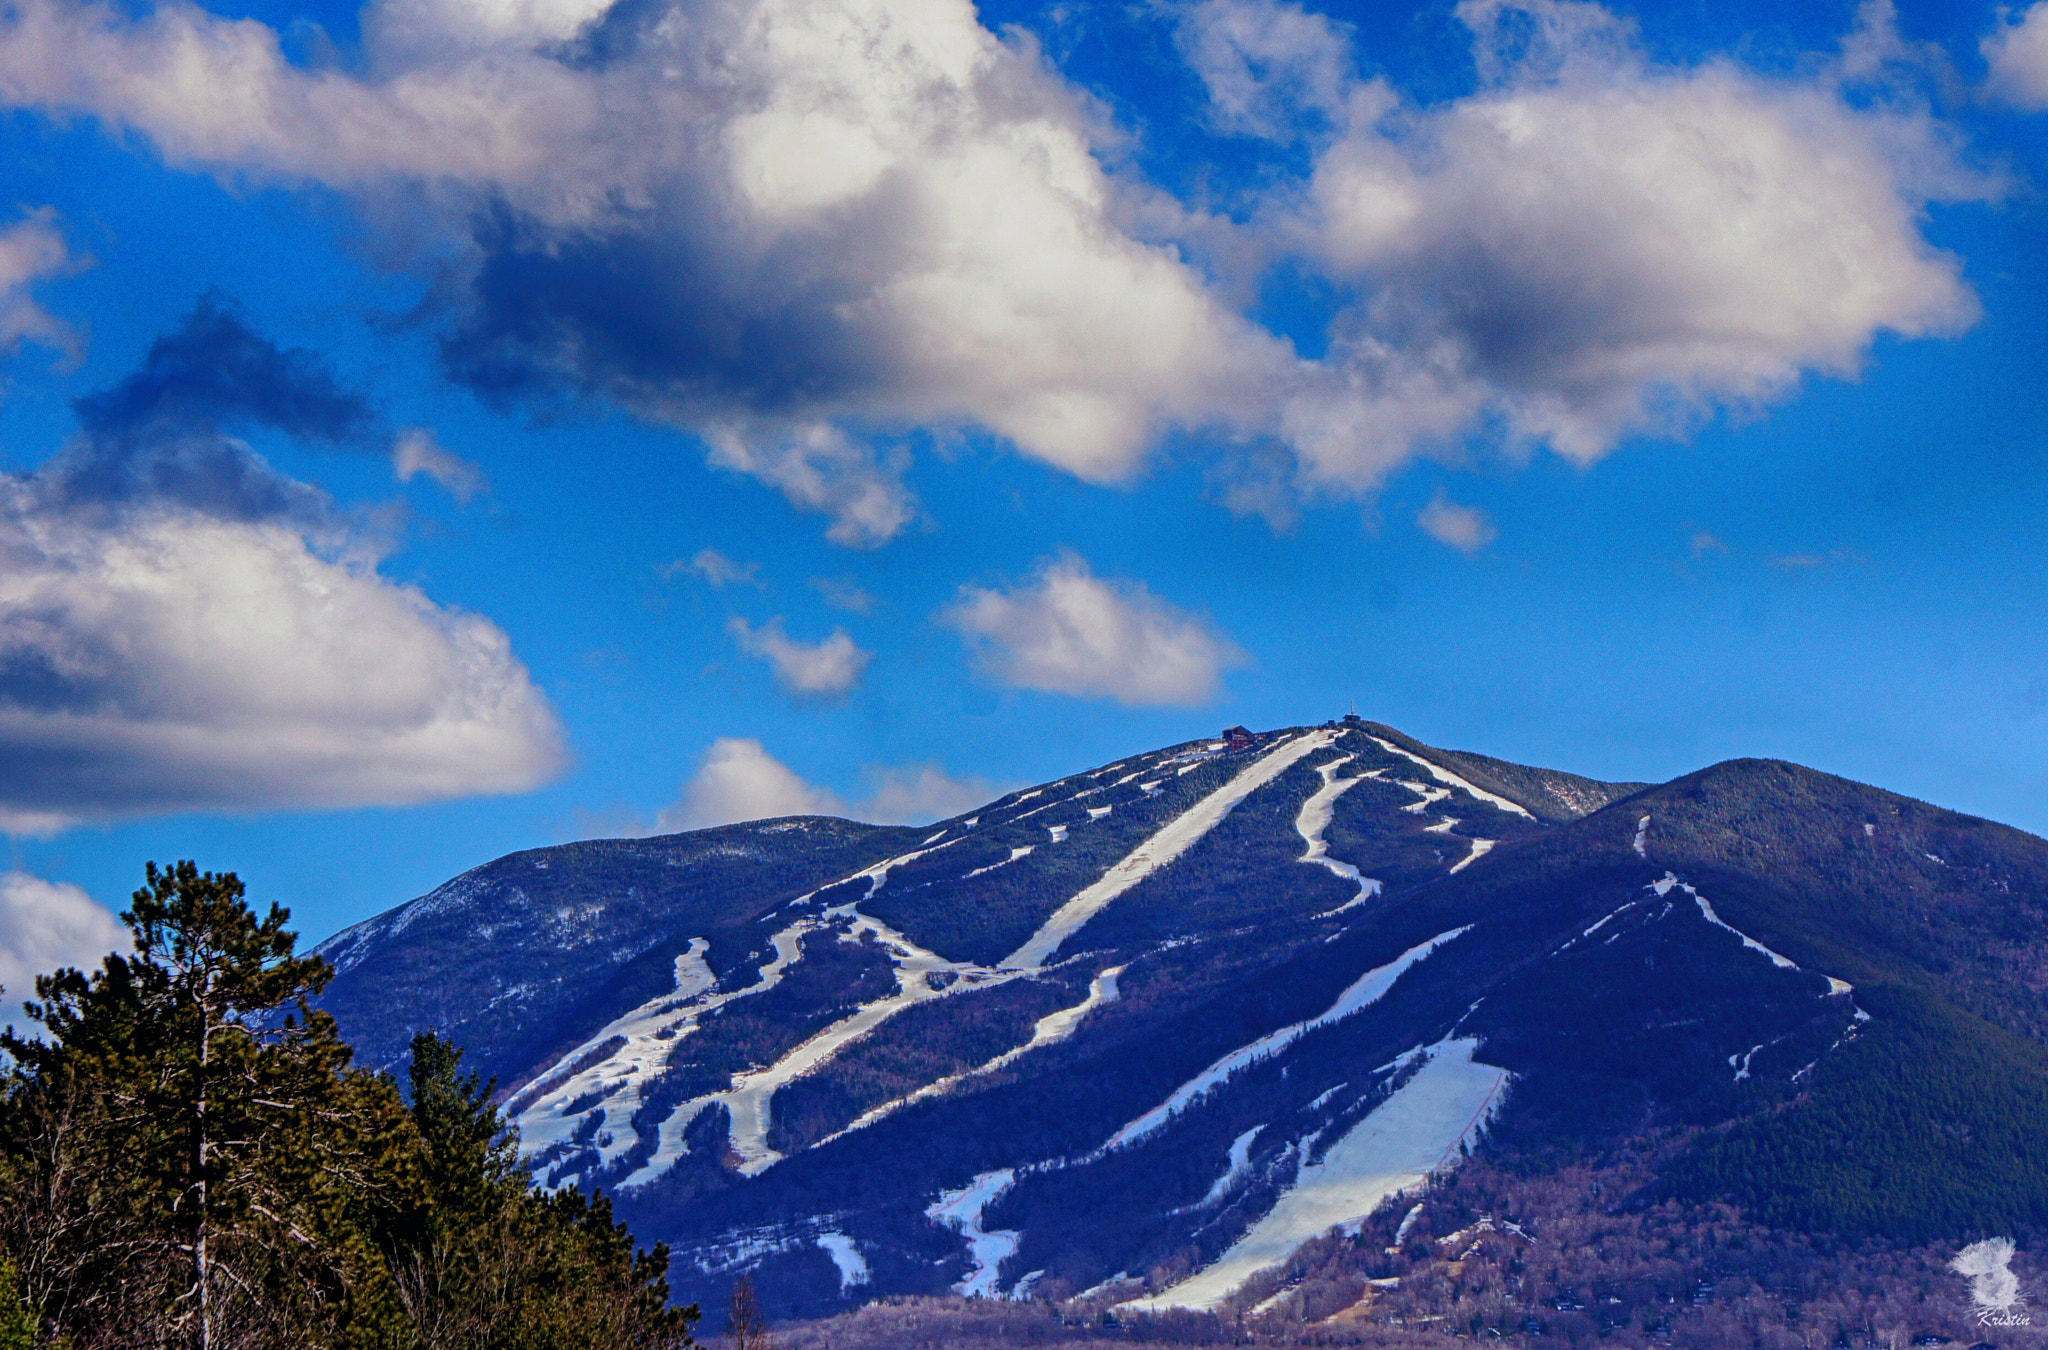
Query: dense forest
[[188, 1159]]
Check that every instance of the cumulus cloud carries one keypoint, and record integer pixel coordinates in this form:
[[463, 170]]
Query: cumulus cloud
[[1593, 245], [44, 927], [1069, 632], [825, 669], [739, 780], [418, 453], [183, 628], [801, 229], [774, 221], [2017, 52], [1465, 528]]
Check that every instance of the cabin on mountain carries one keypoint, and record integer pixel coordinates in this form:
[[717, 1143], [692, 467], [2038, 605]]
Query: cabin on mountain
[[1236, 738]]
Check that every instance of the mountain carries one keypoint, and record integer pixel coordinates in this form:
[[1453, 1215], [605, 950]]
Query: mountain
[[1131, 1039]]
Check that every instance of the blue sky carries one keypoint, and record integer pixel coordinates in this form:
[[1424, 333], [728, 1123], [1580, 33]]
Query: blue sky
[[471, 425]]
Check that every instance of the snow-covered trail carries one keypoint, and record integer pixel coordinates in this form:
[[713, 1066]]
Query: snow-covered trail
[[1449, 779], [1837, 987], [1314, 818], [1414, 1133], [1362, 993], [651, 1032], [750, 1099], [961, 1211], [1050, 1029], [1171, 840], [1480, 848], [1238, 1162], [747, 1098]]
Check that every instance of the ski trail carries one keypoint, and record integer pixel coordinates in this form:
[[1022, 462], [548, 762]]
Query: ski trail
[[651, 1031], [1664, 885], [1314, 819], [1172, 840], [1642, 835], [750, 1099], [747, 1098], [1449, 779], [1238, 1162], [1050, 1029], [1480, 848], [1412, 1135], [961, 1211], [1362, 993]]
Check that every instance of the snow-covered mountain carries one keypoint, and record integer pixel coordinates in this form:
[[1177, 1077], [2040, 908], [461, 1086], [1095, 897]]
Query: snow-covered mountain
[[1142, 1032]]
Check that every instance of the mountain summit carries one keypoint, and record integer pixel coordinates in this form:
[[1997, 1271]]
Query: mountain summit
[[1143, 1032]]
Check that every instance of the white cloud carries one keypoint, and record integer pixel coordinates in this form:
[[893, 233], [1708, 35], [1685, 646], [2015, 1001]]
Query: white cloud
[[2018, 56], [31, 250], [1069, 632], [417, 453], [803, 228], [1264, 63], [921, 793], [717, 570], [824, 213], [739, 780], [44, 927], [818, 467], [163, 660], [1465, 528], [826, 669], [1594, 245]]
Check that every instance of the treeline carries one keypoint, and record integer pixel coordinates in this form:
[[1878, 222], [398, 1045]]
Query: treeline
[[187, 1159]]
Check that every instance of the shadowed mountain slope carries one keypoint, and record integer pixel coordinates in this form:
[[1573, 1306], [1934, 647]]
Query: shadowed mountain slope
[[1153, 1026]]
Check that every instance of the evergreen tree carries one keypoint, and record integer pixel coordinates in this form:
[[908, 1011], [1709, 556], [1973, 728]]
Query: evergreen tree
[[199, 1146], [187, 1160]]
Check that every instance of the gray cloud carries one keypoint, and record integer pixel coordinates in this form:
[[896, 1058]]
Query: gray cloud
[[801, 230], [182, 628]]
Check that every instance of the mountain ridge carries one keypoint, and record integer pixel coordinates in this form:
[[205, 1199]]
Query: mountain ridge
[[807, 1041]]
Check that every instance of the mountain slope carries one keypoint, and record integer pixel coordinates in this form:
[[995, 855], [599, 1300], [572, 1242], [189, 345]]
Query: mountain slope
[[1163, 1021]]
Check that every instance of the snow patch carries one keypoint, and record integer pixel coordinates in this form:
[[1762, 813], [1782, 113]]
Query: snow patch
[[961, 1211], [1239, 1162], [1172, 840], [1050, 1029], [1480, 848], [1058, 833], [1015, 854], [1415, 1133], [853, 1267], [1362, 993], [1445, 776], [1314, 818], [1642, 834]]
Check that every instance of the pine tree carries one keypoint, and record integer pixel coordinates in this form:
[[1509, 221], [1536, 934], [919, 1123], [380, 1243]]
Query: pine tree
[[186, 1160], [203, 1141]]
